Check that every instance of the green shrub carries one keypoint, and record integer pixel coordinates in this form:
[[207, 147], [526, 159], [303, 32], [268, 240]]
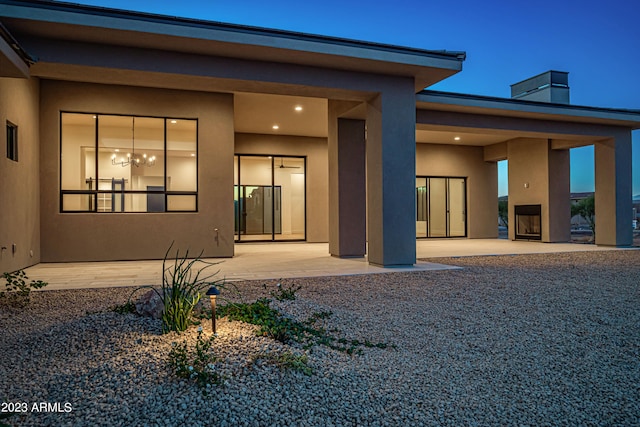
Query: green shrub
[[17, 289], [287, 360], [283, 293], [586, 208], [182, 288], [274, 325], [196, 363], [126, 308]]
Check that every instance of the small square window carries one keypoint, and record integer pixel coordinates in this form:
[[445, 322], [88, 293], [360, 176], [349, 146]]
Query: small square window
[[12, 141]]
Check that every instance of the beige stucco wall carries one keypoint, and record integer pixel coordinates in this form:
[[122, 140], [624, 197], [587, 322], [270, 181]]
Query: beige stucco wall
[[317, 196], [482, 182], [539, 175], [19, 183], [613, 170], [129, 236]]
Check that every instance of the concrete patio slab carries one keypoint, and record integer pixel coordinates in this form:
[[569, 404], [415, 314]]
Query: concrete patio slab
[[282, 260]]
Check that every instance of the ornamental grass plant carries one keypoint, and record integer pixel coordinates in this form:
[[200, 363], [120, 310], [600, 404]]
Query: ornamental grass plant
[[182, 286]]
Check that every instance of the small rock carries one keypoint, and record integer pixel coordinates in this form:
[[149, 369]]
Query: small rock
[[150, 304]]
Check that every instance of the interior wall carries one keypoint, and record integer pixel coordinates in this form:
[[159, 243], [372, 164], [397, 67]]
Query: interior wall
[[19, 181], [130, 236], [482, 182], [317, 173]]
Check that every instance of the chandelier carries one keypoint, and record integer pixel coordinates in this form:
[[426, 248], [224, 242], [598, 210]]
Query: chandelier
[[132, 158]]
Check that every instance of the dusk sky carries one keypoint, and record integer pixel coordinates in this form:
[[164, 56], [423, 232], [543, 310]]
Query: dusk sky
[[597, 42]]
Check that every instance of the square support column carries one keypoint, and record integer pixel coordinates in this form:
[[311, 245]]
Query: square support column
[[540, 175], [391, 175], [613, 191], [347, 185]]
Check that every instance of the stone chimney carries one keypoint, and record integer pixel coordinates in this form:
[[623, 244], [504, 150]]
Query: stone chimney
[[552, 87]]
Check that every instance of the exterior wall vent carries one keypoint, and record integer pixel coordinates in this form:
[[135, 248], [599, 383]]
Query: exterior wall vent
[[552, 87]]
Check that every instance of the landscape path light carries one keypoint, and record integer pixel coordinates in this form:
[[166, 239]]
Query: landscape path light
[[213, 292]]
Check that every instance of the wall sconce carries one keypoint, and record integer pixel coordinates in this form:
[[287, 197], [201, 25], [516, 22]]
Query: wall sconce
[[213, 292]]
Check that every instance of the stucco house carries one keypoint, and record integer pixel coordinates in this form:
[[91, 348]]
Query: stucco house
[[126, 131]]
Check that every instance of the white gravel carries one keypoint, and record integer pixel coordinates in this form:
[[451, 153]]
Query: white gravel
[[527, 340]]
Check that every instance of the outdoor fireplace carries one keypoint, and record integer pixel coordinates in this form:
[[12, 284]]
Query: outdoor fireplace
[[528, 222]]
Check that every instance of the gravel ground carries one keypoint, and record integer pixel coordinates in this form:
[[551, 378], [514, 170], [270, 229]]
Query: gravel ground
[[508, 340]]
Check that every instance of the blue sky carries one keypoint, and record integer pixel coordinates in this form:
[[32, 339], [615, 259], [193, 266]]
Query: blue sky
[[597, 42]]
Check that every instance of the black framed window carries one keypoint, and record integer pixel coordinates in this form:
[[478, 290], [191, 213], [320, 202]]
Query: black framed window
[[119, 163], [12, 142]]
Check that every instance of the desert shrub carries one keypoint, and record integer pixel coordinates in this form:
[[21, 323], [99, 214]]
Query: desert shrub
[[197, 363], [17, 289]]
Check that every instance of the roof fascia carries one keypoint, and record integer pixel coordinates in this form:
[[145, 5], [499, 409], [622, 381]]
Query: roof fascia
[[89, 16], [430, 100]]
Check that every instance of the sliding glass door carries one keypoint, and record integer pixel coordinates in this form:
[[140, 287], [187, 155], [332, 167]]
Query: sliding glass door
[[269, 198], [441, 207]]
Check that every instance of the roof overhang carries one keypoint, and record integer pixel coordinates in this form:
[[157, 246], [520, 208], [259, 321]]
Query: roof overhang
[[14, 62], [485, 105], [86, 24]]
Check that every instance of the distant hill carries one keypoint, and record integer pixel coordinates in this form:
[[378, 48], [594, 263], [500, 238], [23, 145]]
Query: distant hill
[[636, 198]]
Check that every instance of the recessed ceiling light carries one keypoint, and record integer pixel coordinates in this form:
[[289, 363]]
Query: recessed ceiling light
[[117, 150], [174, 121], [457, 138], [193, 155], [298, 108], [276, 127]]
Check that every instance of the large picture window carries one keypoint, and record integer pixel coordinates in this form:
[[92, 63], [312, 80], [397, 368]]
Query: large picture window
[[112, 163]]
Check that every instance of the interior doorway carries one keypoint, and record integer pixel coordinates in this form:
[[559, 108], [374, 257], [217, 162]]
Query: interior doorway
[[441, 204], [269, 198]]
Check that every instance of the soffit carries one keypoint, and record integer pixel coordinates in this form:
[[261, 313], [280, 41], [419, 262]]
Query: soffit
[[431, 134], [258, 113], [448, 137], [472, 104]]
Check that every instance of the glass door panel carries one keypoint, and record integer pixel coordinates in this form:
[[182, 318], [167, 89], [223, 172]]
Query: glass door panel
[[289, 209], [441, 208], [422, 209], [437, 189], [269, 198], [457, 207], [256, 198]]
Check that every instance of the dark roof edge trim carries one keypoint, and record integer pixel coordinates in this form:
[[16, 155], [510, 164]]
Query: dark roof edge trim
[[11, 41], [525, 102], [200, 23]]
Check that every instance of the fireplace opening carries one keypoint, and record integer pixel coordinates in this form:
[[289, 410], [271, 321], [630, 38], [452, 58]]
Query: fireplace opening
[[528, 222]]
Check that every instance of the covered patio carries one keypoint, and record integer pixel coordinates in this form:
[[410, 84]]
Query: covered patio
[[261, 261]]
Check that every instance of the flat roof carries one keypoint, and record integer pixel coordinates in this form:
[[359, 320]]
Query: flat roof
[[246, 29]]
